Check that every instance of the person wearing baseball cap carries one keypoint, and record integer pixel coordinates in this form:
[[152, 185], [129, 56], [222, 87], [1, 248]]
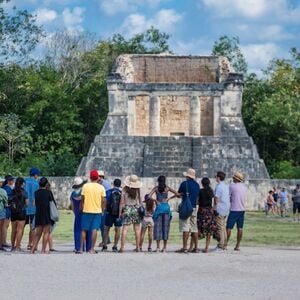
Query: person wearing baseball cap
[[31, 186], [92, 205], [237, 192]]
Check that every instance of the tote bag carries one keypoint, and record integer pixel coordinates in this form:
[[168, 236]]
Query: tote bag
[[54, 215], [185, 207]]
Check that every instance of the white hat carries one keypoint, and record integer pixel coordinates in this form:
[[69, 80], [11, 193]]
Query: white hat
[[191, 173], [133, 181], [101, 173], [78, 183]]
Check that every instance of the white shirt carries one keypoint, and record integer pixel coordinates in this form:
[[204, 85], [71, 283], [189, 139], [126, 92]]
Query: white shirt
[[222, 193]]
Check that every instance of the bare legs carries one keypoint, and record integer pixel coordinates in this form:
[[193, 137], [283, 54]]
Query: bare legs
[[1, 232], [137, 232], [4, 231], [39, 231], [238, 238], [150, 234], [185, 237], [17, 230], [207, 242]]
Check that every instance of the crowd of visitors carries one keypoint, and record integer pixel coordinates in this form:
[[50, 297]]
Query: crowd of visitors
[[203, 212]]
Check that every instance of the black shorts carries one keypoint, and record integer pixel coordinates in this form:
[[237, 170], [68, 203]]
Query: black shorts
[[18, 217], [29, 219], [296, 207]]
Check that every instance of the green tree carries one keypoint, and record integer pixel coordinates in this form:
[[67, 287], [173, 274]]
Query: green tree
[[19, 34], [230, 47], [16, 137]]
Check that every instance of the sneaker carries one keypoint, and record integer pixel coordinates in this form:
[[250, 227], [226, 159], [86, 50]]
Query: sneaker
[[6, 246], [3, 249], [104, 249], [114, 249], [218, 249]]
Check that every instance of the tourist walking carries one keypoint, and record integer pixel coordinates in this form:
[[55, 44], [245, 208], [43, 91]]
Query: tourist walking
[[189, 188], [75, 202], [8, 185], [207, 226], [3, 204], [18, 203], [93, 205], [31, 186], [238, 193], [221, 206], [296, 202], [162, 214], [283, 198], [112, 214], [131, 203], [147, 223], [43, 222]]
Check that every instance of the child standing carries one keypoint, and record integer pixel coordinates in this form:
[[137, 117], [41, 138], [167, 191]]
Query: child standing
[[147, 223]]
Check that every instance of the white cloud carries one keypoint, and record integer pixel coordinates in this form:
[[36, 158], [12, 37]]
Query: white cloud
[[259, 55], [112, 7], [44, 15], [164, 19], [274, 32], [73, 18], [252, 9]]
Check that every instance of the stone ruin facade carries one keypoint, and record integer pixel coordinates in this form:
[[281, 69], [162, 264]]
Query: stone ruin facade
[[168, 113]]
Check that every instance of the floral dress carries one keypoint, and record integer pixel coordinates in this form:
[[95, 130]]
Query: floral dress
[[130, 212]]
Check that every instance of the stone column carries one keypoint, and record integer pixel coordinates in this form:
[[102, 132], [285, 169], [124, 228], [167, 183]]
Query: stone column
[[217, 116], [154, 116], [195, 116], [131, 115]]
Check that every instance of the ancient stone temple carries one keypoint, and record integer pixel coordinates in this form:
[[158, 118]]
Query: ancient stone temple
[[168, 113]]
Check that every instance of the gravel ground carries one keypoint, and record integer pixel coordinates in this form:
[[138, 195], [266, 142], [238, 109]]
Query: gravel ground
[[252, 273]]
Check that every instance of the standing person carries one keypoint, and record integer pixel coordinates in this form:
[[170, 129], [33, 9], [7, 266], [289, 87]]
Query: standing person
[[8, 185], [147, 223], [93, 205], [275, 197], [31, 186], [43, 221], [190, 188], [283, 197], [205, 218], [3, 204], [105, 183], [112, 213], [237, 192], [221, 206], [162, 215], [270, 203], [75, 202], [18, 203], [296, 202], [129, 209]]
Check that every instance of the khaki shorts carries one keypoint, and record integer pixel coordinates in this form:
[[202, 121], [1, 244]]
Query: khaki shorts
[[190, 224]]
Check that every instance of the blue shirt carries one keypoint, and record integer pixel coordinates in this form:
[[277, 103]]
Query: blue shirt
[[106, 184], [283, 195], [31, 186], [8, 190], [222, 193], [193, 188]]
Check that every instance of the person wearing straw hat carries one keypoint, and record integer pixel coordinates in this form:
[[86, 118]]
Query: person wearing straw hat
[[129, 209], [75, 202], [237, 192], [191, 188], [3, 204]]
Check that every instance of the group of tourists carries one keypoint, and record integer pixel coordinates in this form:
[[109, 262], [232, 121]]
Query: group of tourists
[[203, 212], [277, 202], [212, 213]]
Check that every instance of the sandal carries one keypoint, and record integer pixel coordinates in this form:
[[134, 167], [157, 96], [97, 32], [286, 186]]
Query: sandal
[[236, 249], [195, 250], [149, 249], [121, 250], [182, 251]]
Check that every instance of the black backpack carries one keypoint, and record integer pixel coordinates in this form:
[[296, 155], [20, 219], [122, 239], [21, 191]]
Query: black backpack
[[16, 203], [114, 203]]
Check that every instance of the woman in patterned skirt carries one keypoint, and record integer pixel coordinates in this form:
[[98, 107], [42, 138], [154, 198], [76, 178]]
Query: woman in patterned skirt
[[162, 215], [205, 218]]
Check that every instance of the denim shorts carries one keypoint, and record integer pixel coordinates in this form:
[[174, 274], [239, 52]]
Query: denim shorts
[[90, 221], [235, 217], [111, 220]]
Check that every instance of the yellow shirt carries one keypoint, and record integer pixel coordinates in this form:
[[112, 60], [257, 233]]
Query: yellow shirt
[[94, 194]]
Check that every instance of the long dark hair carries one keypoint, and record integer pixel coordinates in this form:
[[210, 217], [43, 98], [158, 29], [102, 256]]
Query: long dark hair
[[150, 205], [18, 185], [161, 183], [132, 192], [206, 185]]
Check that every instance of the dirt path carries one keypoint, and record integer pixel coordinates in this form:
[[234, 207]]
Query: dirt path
[[253, 273]]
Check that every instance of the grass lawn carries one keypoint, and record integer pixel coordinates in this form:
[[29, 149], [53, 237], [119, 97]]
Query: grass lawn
[[259, 230]]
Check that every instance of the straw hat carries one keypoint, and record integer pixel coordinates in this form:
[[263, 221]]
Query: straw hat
[[133, 181], [78, 183], [238, 177], [191, 173], [101, 173]]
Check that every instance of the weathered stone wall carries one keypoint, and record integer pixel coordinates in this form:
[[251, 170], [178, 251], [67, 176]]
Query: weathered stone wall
[[142, 115], [256, 195]]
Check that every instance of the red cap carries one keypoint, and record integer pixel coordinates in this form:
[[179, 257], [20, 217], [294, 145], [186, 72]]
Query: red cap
[[94, 175]]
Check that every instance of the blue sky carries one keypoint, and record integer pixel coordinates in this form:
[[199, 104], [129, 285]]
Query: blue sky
[[266, 28]]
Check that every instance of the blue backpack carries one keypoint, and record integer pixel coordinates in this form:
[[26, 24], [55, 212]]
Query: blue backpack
[[185, 208]]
